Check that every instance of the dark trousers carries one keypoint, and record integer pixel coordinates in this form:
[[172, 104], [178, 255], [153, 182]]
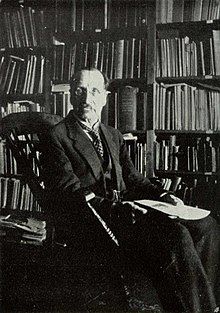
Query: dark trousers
[[182, 258]]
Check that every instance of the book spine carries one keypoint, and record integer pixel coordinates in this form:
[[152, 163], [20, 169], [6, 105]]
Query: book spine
[[127, 119], [118, 60], [216, 46]]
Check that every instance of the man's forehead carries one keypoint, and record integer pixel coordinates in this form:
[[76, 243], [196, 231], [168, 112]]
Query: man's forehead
[[94, 78]]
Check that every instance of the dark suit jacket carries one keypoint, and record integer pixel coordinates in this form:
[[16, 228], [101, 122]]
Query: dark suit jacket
[[72, 166]]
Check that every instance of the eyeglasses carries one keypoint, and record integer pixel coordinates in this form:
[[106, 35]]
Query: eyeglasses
[[94, 92]]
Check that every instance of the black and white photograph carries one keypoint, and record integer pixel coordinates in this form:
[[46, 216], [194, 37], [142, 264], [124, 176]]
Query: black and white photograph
[[110, 156]]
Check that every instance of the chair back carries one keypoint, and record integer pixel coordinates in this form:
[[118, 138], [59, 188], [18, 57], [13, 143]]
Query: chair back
[[22, 132]]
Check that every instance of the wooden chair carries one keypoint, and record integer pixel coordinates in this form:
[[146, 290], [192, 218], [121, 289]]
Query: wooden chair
[[22, 132]]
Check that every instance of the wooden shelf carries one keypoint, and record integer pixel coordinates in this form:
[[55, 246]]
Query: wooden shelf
[[29, 49], [102, 34], [187, 132], [211, 82], [8, 175], [29, 97], [135, 82], [168, 173], [116, 83], [189, 26]]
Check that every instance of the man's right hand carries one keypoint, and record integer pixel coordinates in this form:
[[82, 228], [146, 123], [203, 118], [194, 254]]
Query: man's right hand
[[134, 206]]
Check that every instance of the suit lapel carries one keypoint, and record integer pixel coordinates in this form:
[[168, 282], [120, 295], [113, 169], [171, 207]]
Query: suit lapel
[[110, 142], [83, 144], [113, 152]]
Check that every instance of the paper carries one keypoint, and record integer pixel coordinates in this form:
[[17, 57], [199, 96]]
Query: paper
[[185, 212]]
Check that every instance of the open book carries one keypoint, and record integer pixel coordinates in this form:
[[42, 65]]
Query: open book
[[185, 212]]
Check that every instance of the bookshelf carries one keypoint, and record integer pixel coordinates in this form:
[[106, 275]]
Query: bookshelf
[[162, 58], [16, 195], [26, 34], [25, 37], [186, 100]]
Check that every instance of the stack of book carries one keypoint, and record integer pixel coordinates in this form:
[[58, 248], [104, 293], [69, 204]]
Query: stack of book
[[30, 230], [21, 106]]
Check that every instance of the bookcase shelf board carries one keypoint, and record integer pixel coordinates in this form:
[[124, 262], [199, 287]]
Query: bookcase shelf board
[[116, 83], [102, 34], [135, 82], [167, 133], [9, 175], [26, 50], [32, 97], [167, 173], [190, 26], [74, 38], [192, 80]]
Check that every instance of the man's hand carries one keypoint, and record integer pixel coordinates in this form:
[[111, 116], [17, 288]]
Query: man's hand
[[169, 198], [134, 206]]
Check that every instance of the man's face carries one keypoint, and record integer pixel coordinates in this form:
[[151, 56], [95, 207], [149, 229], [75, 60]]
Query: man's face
[[89, 96]]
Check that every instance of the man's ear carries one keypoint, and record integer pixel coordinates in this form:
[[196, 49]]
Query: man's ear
[[72, 98]]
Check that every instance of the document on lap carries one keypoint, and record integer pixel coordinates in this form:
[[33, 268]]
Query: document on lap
[[185, 212]]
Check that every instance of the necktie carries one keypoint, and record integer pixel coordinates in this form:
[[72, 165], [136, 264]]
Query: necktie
[[94, 134]]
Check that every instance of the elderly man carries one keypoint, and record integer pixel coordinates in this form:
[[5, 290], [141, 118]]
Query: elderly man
[[87, 166]]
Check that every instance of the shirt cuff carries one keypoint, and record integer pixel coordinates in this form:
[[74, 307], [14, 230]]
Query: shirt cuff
[[90, 196]]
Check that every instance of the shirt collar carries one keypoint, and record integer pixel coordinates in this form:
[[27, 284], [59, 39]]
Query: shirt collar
[[95, 126]]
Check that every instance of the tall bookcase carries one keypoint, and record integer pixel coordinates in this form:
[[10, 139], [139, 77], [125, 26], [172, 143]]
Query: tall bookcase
[[186, 99], [162, 58], [25, 85], [25, 38]]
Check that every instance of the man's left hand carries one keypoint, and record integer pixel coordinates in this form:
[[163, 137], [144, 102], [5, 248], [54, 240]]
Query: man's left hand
[[169, 198]]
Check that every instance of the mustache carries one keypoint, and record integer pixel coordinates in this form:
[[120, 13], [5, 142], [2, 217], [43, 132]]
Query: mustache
[[82, 106]]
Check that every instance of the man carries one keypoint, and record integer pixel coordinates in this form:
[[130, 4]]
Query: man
[[87, 166]]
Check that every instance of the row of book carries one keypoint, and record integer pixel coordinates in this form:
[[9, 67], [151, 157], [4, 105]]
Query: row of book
[[16, 195], [168, 11], [21, 106], [125, 58], [22, 75], [126, 109], [171, 184], [183, 107], [99, 14], [178, 57], [25, 27], [202, 154], [61, 103], [137, 151], [195, 192], [8, 164]]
